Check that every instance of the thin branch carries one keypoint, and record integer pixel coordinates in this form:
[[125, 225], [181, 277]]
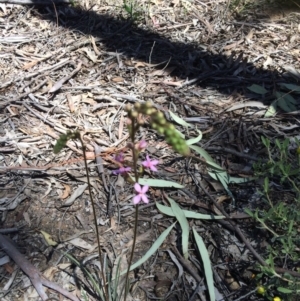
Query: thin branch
[[30, 270]]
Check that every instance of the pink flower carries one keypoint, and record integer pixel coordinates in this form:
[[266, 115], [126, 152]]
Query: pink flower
[[119, 157], [142, 145], [140, 193], [122, 170], [148, 163]]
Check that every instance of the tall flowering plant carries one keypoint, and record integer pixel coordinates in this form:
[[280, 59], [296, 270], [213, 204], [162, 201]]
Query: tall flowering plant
[[136, 115], [159, 123]]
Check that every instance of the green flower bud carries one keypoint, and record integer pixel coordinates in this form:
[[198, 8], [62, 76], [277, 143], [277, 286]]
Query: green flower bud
[[134, 114], [138, 106], [128, 108], [148, 104], [163, 122], [154, 125], [169, 133], [171, 126], [149, 111], [261, 290], [159, 117], [160, 130]]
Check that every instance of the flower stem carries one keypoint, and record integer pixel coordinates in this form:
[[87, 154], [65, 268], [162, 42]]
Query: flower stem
[[106, 295], [136, 175]]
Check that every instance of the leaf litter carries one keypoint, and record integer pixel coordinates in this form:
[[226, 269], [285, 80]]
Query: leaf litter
[[74, 67]]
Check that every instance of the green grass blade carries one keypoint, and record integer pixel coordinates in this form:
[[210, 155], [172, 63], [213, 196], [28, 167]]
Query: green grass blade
[[194, 140], [207, 266], [152, 250], [223, 178], [209, 160], [88, 274], [188, 214], [179, 120], [159, 183], [184, 227]]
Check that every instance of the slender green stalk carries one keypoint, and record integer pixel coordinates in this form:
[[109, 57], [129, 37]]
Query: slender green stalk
[[134, 155], [95, 220]]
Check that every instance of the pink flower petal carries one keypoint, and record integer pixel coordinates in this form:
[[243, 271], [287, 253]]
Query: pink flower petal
[[144, 198], [119, 157], [137, 187], [144, 189], [153, 168], [122, 170], [148, 163], [142, 144], [137, 199]]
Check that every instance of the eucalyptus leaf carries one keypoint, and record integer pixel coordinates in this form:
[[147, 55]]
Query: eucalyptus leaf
[[291, 87], [184, 227], [188, 214], [271, 109], [206, 264], [159, 183], [238, 180], [257, 89], [284, 290], [285, 106], [289, 98]]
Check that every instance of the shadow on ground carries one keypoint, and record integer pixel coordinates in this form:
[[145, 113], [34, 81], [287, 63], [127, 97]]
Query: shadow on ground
[[189, 61]]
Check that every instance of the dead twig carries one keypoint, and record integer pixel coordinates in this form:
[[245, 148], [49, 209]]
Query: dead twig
[[59, 84], [34, 275]]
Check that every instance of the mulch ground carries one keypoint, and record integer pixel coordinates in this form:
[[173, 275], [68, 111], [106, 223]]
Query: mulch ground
[[65, 67]]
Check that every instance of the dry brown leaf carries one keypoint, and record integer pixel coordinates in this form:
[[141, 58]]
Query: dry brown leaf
[[66, 192], [90, 155], [70, 103], [95, 46], [113, 224], [163, 72], [169, 83], [222, 198], [90, 54], [139, 64], [118, 79], [50, 272], [77, 193], [232, 283], [9, 269], [29, 65]]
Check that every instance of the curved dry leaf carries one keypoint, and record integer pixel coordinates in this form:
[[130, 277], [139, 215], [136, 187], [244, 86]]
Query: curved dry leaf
[[66, 192], [49, 239], [238, 106], [78, 192]]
